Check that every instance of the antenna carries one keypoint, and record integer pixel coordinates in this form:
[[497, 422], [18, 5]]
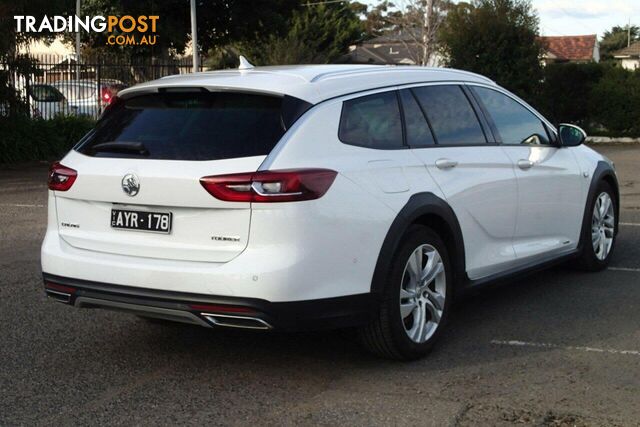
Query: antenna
[[245, 64]]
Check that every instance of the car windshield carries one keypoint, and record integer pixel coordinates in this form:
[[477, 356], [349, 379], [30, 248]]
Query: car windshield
[[45, 93], [188, 126]]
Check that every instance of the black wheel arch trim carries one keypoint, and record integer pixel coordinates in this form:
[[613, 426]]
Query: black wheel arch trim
[[420, 205]]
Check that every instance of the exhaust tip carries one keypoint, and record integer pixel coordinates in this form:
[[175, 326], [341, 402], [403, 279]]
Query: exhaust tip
[[59, 293], [62, 297], [232, 321]]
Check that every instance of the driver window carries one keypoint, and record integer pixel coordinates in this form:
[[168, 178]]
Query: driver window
[[516, 124]]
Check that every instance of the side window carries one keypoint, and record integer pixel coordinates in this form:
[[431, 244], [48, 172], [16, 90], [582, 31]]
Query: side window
[[417, 128], [453, 120], [515, 123], [372, 121]]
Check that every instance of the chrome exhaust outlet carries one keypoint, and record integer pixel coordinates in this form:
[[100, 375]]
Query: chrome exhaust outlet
[[58, 296], [233, 321]]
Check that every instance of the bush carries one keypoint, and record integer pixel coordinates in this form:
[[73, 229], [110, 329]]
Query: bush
[[601, 98], [615, 102], [23, 139], [566, 91]]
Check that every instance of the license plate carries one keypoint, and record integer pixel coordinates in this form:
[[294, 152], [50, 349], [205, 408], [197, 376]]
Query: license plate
[[157, 222]]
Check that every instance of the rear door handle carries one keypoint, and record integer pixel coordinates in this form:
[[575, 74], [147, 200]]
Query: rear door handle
[[525, 164], [446, 164]]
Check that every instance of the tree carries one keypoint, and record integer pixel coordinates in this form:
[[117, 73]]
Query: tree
[[378, 19], [317, 34], [219, 23], [617, 38], [418, 25], [15, 67], [496, 38]]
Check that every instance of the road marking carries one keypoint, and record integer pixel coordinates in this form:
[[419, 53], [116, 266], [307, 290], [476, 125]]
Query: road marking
[[515, 343], [20, 205], [630, 224], [636, 270]]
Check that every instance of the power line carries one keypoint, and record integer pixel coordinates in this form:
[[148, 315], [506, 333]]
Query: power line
[[577, 20]]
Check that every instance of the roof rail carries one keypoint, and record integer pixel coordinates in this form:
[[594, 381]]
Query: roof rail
[[393, 68]]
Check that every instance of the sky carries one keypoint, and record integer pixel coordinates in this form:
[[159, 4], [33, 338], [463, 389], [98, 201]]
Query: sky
[[572, 17], [575, 17]]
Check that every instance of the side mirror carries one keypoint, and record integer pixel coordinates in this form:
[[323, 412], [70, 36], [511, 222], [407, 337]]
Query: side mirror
[[571, 135]]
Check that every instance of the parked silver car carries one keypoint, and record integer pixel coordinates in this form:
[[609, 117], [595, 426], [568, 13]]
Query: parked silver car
[[45, 101], [89, 97]]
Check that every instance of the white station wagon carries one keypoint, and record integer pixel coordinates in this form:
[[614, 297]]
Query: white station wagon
[[302, 197]]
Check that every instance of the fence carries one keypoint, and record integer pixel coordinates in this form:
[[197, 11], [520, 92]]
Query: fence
[[48, 85]]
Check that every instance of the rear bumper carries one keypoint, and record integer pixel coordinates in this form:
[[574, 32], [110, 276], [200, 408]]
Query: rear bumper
[[211, 310]]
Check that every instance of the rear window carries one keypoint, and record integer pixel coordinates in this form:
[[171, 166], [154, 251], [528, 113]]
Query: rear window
[[45, 93], [372, 121], [187, 126], [450, 114]]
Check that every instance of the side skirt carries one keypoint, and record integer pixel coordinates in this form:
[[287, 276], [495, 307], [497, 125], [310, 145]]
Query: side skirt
[[471, 287]]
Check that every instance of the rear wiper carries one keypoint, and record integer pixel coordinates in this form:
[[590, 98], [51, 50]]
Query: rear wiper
[[121, 147]]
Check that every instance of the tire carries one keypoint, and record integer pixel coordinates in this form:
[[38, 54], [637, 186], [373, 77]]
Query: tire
[[591, 258], [391, 336]]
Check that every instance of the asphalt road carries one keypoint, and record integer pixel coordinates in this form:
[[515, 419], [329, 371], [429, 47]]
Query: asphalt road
[[557, 348]]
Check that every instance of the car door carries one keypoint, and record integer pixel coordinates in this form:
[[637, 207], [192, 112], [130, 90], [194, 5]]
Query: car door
[[373, 152], [474, 174], [550, 191]]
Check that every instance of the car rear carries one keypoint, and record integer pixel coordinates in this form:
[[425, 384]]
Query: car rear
[[152, 212]]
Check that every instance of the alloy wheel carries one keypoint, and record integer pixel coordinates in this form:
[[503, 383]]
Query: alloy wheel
[[422, 293], [602, 226]]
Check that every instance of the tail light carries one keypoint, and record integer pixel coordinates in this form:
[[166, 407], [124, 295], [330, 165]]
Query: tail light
[[107, 96], [59, 288], [270, 186], [61, 178]]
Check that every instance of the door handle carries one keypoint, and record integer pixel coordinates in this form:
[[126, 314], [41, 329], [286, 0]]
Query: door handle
[[525, 164], [446, 164]]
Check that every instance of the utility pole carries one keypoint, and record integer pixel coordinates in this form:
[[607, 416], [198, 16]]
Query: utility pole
[[428, 31], [194, 37], [629, 33], [78, 42]]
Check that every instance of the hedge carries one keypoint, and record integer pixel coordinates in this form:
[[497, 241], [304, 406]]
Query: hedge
[[602, 98], [23, 139]]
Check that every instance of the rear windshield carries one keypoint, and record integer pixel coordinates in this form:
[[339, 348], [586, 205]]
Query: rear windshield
[[45, 93], [187, 126]]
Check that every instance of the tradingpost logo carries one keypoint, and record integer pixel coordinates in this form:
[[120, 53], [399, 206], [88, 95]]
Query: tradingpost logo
[[124, 30]]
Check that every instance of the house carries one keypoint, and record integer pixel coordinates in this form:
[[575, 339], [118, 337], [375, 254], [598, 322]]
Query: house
[[629, 57], [583, 48], [391, 49]]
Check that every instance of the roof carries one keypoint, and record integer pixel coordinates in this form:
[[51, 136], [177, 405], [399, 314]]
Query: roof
[[382, 54], [632, 50], [311, 83], [390, 38], [570, 48]]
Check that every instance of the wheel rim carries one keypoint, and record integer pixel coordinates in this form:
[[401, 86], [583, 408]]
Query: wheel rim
[[422, 293], [602, 226]]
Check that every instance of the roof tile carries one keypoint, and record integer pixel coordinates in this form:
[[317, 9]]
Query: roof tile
[[571, 48]]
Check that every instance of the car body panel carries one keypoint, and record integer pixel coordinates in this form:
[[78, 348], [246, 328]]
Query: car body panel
[[550, 198], [330, 247]]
